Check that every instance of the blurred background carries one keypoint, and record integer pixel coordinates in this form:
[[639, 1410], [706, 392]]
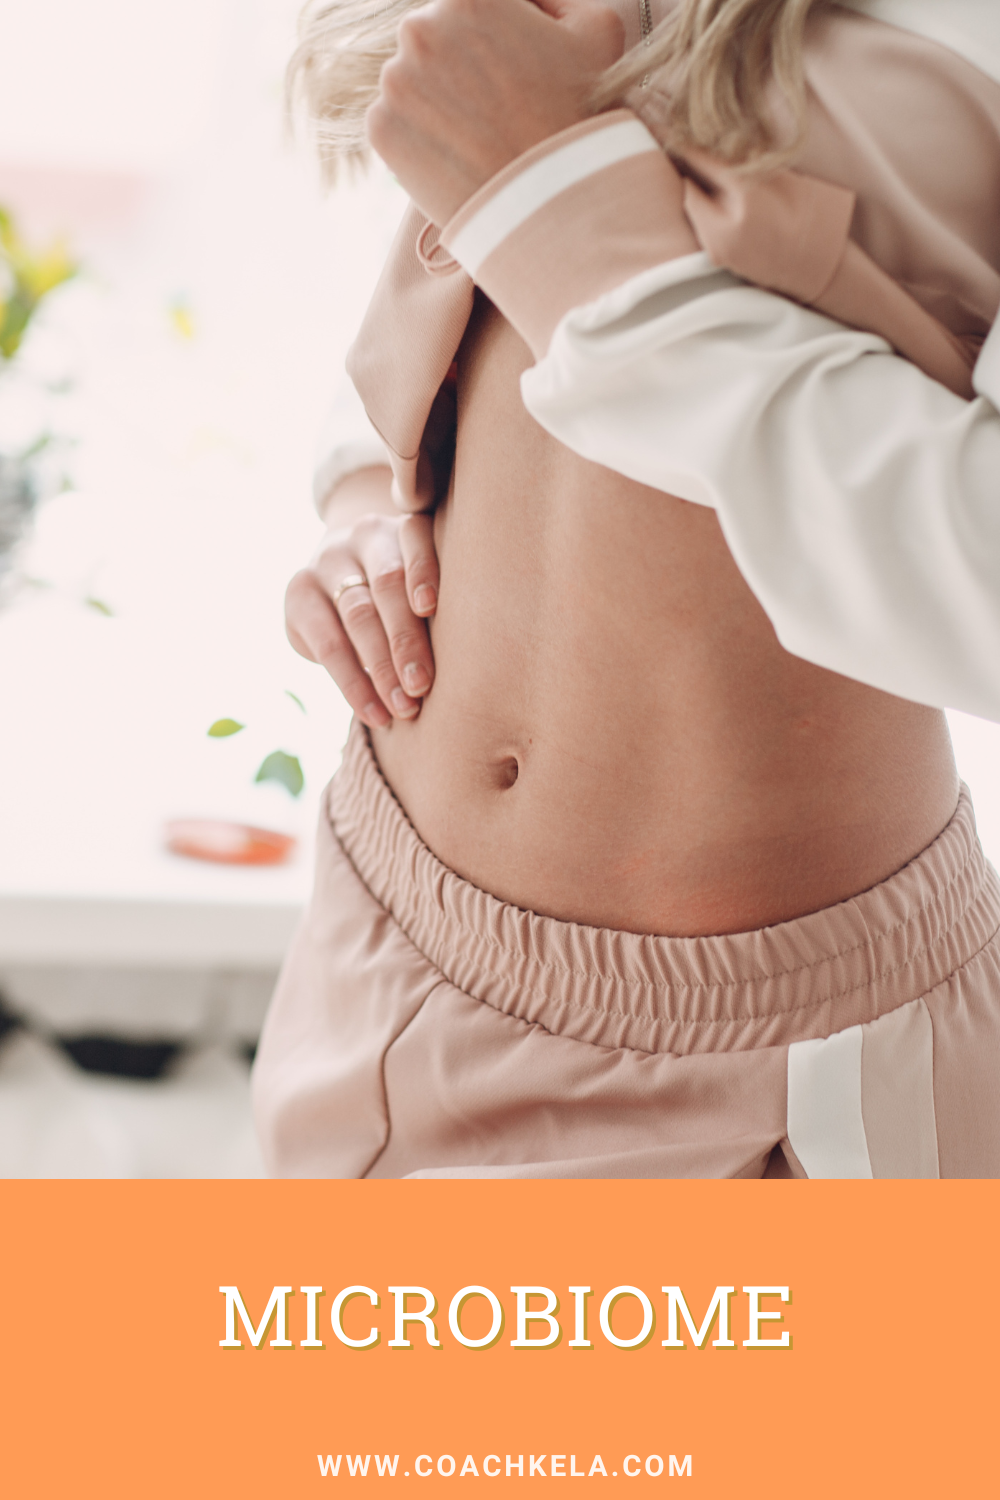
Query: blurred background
[[176, 298], [168, 398]]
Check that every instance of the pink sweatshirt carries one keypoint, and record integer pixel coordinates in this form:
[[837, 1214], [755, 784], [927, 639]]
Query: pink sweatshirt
[[858, 496]]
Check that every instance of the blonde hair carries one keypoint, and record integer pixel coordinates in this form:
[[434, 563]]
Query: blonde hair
[[724, 75], [335, 68]]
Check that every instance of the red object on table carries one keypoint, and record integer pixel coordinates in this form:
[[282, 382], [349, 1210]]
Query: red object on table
[[227, 843]]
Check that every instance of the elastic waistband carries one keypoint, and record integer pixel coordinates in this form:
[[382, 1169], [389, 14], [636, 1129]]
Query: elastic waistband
[[811, 977]]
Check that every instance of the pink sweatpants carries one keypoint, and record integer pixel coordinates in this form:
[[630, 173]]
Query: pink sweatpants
[[423, 1028]]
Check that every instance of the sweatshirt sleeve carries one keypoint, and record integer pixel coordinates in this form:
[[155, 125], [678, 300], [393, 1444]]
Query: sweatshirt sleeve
[[348, 442], [859, 497]]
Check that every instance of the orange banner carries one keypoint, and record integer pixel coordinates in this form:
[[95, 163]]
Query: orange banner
[[748, 1339]]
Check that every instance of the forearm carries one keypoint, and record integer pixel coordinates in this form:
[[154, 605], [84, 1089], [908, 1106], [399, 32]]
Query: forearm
[[857, 496]]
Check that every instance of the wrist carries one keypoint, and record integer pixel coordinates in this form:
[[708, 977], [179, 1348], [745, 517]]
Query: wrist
[[502, 156], [570, 219]]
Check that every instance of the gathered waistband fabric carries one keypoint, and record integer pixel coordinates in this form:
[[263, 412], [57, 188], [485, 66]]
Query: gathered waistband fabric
[[423, 1028], [822, 973]]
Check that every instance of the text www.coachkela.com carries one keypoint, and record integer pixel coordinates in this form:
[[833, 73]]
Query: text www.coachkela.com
[[510, 1466]]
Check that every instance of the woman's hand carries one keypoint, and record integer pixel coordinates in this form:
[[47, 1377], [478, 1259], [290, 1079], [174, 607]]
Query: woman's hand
[[475, 83], [360, 610]]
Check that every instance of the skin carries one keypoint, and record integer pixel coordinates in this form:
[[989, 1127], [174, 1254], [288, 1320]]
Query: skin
[[607, 730], [474, 83]]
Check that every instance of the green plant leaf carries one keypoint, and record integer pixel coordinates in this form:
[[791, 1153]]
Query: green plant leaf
[[295, 698], [284, 768], [222, 728], [92, 602], [43, 441]]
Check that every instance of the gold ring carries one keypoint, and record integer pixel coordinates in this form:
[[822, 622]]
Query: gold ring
[[352, 581]]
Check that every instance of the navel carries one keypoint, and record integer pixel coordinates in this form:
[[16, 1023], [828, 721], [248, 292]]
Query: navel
[[505, 772]]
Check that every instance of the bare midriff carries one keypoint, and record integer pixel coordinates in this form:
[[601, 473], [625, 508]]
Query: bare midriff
[[614, 735]]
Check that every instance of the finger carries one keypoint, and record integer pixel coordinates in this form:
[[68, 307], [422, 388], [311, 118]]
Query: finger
[[406, 632], [362, 622], [315, 631], [567, 10], [372, 553], [416, 542], [373, 548], [597, 24], [381, 554]]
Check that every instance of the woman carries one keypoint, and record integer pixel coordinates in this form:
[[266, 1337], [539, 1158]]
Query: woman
[[673, 971]]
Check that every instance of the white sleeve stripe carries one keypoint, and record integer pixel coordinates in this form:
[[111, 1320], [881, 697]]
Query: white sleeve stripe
[[986, 375], [544, 180]]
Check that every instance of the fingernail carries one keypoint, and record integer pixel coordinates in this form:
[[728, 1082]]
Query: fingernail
[[425, 599], [376, 715], [415, 677], [403, 705]]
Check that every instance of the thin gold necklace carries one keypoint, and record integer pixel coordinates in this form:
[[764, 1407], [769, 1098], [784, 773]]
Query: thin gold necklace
[[645, 30]]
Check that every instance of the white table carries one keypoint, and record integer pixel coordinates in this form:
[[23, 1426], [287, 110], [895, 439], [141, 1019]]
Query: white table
[[101, 929]]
